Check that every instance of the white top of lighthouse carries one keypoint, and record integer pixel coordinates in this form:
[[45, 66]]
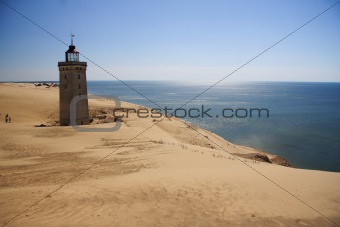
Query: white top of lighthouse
[[72, 55]]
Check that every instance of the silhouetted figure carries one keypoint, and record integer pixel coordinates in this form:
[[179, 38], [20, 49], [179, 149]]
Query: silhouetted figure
[[6, 118]]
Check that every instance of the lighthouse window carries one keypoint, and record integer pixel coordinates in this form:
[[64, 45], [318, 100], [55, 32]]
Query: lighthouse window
[[65, 77], [78, 76], [73, 56], [79, 86]]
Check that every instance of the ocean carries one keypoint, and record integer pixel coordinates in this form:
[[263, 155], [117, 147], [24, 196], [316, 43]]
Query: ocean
[[299, 121]]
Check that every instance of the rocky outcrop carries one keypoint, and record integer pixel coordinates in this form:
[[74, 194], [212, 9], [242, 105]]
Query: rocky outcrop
[[47, 85], [260, 157], [280, 161], [102, 116]]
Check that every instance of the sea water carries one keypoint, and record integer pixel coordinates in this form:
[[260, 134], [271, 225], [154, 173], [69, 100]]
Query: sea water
[[299, 121]]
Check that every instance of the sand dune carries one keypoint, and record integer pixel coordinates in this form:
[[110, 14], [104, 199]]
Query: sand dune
[[172, 174]]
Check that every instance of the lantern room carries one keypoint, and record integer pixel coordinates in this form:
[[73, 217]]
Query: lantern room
[[72, 55]]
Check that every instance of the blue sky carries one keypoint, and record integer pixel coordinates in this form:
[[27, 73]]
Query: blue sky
[[191, 40]]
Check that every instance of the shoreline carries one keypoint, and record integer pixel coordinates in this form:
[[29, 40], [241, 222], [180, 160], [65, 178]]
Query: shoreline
[[166, 175]]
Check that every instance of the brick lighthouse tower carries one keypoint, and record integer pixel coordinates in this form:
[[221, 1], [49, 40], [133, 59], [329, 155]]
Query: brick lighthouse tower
[[73, 86]]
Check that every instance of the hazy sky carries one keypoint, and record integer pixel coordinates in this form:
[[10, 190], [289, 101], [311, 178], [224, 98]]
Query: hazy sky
[[173, 40]]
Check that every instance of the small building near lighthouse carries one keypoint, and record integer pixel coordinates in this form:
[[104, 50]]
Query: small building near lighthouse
[[73, 101]]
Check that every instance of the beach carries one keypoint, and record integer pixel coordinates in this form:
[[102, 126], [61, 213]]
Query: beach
[[150, 172]]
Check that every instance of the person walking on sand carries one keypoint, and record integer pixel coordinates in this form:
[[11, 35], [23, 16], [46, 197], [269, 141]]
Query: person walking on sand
[[6, 118]]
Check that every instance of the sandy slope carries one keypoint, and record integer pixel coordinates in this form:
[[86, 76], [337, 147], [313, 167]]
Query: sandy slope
[[169, 175]]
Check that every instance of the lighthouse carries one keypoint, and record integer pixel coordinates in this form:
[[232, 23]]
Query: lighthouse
[[73, 89]]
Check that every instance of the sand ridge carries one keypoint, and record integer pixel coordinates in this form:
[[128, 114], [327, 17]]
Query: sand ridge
[[169, 175]]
